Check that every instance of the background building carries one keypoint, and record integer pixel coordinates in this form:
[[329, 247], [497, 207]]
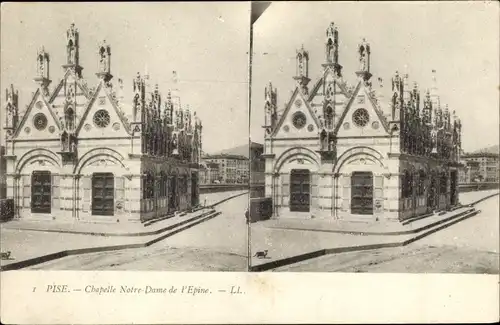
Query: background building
[[338, 151], [481, 166], [210, 173], [105, 157], [232, 169]]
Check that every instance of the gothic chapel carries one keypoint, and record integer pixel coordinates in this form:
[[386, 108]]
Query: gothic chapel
[[338, 152], [88, 154]]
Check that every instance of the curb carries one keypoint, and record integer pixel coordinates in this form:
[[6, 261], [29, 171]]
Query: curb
[[79, 251], [132, 234], [482, 199], [226, 199], [391, 233], [328, 251]]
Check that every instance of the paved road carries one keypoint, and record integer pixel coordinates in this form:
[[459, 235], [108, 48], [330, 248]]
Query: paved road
[[470, 246], [219, 244]]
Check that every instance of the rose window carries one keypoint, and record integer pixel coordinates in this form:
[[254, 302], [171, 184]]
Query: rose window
[[40, 121], [101, 118], [299, 120], [360, 117]]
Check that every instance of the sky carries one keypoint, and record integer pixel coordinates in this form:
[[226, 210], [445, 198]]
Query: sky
[[206, 43], [460, 40]]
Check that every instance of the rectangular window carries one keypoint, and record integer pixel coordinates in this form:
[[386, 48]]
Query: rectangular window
[[41, 195]]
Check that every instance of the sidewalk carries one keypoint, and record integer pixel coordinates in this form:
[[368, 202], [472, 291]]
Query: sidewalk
[[287, 246], [104, 229], [124, 229]]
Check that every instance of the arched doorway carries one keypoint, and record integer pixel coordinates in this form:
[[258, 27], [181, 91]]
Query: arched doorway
[[362, 193], [300, 180]]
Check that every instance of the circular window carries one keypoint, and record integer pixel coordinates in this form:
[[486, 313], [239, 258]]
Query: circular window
[[52, 129], [27, 129], [40, 121], [375, 125], [299, 120], [310, 128], [346, 125], [286, 128], [101, 118], [39, 105], [360, 117], [298, 103]]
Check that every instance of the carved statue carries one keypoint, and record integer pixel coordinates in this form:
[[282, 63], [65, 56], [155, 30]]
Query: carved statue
[[73, 145], [301, 65], [362, 58], [324, 140], [71, 57], [41, 65], [64, 141], [331, 54]]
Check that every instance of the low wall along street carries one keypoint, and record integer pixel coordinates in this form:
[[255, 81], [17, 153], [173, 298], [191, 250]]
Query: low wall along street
[[214, 188], [471, 187]]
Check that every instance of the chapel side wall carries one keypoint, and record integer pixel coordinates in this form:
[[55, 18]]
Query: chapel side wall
[[159, 206]]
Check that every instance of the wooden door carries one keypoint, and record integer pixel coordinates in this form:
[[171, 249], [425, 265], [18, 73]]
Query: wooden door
[[300, 190], [362, 193], [103, 194], [41, 192]]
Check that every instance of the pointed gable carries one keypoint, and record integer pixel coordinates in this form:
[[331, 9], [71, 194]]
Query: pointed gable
[[317, 96], [39, 121], [103, 101], [298, 105], [361, 116]]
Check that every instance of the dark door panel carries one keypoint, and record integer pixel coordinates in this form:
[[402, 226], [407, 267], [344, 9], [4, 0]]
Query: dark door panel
[[362, 193], [300, 190]]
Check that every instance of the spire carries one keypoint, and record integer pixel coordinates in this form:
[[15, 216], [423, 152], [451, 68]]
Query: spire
[[302, 70], [104, 62], [12, 109], [139, 97], [434, 91], [406, 89], [397, 96], [427, 110], [176, 100], [332, 49], [364, 60], [72, 50], [42, 70], [270, 106]]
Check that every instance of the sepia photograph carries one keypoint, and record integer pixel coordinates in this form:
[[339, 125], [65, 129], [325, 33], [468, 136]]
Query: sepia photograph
[[249, 162], [124, 136], [374, 134]]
